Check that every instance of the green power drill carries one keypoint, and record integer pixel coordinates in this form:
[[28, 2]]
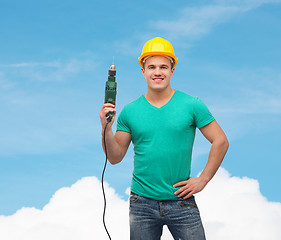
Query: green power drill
[[109, 97], [110, 90]]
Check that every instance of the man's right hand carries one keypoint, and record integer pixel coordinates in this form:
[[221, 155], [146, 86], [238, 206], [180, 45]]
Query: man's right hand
[[107, 107]]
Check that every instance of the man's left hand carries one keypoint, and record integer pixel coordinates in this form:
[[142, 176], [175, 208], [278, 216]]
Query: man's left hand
[[190, 187]]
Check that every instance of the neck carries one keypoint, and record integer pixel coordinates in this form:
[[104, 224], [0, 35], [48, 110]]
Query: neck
[[159, 98]]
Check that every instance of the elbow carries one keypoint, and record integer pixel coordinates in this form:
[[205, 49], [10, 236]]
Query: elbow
[[225, 143], [116, 159], [222, 142], [113, 161]]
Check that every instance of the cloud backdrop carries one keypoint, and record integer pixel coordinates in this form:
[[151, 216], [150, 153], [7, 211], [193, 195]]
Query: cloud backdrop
[[231, 208]]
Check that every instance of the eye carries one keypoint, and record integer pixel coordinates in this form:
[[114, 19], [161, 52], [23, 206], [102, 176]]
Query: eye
[[164, 67]]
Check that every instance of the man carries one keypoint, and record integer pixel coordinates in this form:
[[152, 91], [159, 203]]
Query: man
[[161, 124]]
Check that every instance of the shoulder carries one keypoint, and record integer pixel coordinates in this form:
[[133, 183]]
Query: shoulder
[[129, 112], [130, 109], [193, 103], [186, 98], [132, 105]]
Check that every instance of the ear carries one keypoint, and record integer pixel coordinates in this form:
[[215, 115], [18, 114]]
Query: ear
[[142, 69]]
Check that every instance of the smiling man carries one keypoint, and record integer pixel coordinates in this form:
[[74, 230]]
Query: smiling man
[[161, 125]]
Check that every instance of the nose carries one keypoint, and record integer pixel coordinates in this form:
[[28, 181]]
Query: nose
[[157, 71]]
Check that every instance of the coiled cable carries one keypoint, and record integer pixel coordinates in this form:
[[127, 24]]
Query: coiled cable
[[102, 177]]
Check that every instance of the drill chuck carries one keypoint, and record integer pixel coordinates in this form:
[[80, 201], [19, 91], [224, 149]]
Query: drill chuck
[[112, 70]]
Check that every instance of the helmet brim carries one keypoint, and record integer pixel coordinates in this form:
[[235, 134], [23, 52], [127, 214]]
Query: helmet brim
[[144, 55]]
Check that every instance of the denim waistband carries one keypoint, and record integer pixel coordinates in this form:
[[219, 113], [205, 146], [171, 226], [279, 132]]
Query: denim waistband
[[181, 198]]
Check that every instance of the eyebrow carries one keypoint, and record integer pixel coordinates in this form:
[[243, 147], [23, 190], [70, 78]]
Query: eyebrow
[[154, 65]]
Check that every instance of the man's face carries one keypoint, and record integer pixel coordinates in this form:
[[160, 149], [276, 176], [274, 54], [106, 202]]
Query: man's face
[[158, 72]]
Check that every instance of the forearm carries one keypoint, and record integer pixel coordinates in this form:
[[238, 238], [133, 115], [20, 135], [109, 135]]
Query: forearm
[[216, 136], [114, 152], [216, 155]]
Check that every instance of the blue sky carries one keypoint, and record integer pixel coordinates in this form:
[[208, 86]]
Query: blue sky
[[53, 67]]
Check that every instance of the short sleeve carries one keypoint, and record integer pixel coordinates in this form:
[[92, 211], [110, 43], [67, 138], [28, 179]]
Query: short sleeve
[[202, 115], [122, 122]]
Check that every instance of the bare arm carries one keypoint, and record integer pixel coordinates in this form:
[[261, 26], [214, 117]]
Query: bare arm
[[116, 145], [215, 135]]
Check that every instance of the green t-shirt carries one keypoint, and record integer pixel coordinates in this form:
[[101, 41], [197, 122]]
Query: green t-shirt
[[163, 140]]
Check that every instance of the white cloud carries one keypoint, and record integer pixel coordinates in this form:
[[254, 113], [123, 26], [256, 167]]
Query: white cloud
[[231, 208], [195, 22], [54, 64], [246, 5], [72, 213], [55, 70]]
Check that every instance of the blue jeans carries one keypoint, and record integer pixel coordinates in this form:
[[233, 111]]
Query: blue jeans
[[148, 216]]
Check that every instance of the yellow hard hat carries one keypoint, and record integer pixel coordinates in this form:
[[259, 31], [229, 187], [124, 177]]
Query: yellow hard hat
[[158, 46]]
